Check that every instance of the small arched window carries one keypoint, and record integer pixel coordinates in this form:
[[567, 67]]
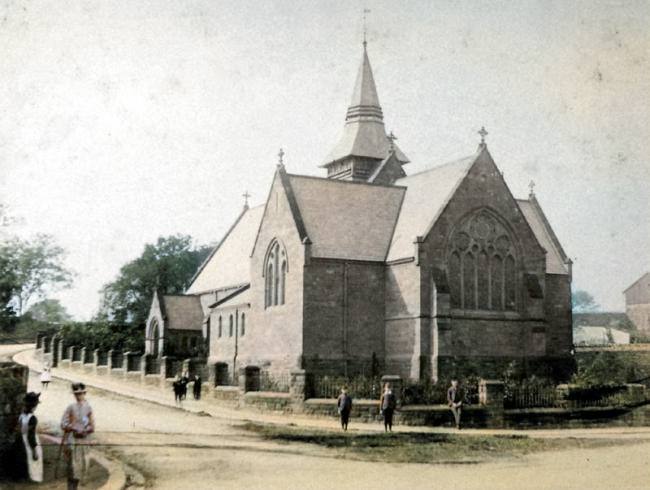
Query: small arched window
[[231, 326], [243, 324], [220, 327], [275, 271]]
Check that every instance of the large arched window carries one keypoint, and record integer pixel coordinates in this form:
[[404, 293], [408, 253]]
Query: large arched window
[[482, 265], [275, 272]]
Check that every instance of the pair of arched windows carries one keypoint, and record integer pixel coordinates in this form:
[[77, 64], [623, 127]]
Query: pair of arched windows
[[275, 272], [482, 265]]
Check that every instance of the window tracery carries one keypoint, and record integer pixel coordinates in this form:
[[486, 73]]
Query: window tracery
[[275, 270], [482, 265]]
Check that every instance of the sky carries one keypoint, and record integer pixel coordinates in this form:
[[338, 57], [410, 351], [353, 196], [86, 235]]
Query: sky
[[126, 120]]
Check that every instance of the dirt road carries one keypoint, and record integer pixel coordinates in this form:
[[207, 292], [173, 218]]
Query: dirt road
[[175, 449]]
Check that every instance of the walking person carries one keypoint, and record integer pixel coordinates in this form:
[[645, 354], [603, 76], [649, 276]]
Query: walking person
[[46, 377], [387, 404], [344, 406], [77, 423], [30, 454], [197, 387], [455, 401]]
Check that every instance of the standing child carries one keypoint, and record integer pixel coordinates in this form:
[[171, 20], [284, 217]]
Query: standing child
[[387, 405], [344, 405], [46, 377], [77, 423]]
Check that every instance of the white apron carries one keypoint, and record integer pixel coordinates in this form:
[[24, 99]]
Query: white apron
[[35, 468]]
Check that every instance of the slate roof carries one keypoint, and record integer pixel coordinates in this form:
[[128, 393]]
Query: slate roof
[[347, 220], [229, 262], [644, 277], [240, 297], [364, 134], [182, 312], [556, 259], [427, 194]]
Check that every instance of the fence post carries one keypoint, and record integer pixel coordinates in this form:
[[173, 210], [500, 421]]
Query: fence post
[[59, 348], [143, 367], [297, 390], [109, 362], [491, 397], [55, 351], [163, 372], [95, 360], [125, 364]]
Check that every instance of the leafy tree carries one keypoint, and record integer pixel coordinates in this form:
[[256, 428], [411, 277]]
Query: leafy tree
[[34, 265], [167, 266], [49, 310], [583, 302], [8, 318]]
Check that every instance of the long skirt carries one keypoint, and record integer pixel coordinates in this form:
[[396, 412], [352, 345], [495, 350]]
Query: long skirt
[[34, 468], [76, 457]]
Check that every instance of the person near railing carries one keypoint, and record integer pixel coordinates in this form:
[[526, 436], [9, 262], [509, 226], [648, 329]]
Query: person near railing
[[387, 405], [455, 401], [344, 406]]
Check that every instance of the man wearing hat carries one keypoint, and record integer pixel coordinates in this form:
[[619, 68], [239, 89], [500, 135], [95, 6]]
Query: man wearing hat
[[77, 423], [32, 453]]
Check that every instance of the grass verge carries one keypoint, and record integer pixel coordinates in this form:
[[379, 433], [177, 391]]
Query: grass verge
[[420, 447]]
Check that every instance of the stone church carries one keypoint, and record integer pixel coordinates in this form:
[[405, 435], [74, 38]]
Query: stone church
[[373, 271]]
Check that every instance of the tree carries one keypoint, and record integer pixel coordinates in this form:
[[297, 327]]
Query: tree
[[583, 302], [50, 311], [167, 266], [8, 317], [35, 265]]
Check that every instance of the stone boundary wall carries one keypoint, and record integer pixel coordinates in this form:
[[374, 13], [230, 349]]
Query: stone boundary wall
[[489, 413]]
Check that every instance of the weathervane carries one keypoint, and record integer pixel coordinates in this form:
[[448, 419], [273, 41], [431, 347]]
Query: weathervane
[[483, 133], [365, 11]]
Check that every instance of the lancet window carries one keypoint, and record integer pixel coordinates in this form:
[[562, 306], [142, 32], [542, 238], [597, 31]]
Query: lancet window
[[275, 272]]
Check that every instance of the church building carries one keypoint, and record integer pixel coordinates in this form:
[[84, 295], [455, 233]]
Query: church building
[[370, 270]]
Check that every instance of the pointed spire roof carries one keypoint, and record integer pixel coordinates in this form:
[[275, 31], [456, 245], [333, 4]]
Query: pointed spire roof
[[365, 102], [364, 134]]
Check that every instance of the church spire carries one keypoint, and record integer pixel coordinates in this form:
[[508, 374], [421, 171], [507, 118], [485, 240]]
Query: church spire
[[364, 143]]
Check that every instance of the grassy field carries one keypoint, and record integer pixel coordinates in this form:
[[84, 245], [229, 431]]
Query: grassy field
[[420, 447]]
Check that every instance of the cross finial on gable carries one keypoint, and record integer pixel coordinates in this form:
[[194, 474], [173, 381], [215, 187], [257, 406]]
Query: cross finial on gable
[[483, 133], [531, 186], [392, 139], [280, 155], [246, 195]]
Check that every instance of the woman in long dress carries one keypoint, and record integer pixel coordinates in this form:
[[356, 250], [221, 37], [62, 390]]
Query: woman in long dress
[[32, 446]]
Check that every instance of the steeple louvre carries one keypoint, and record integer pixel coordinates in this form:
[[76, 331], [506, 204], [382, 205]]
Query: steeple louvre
[[364, 145]]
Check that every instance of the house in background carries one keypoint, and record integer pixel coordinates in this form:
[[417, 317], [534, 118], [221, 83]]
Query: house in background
[[637, 303], [585, 336], [441, 273]]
